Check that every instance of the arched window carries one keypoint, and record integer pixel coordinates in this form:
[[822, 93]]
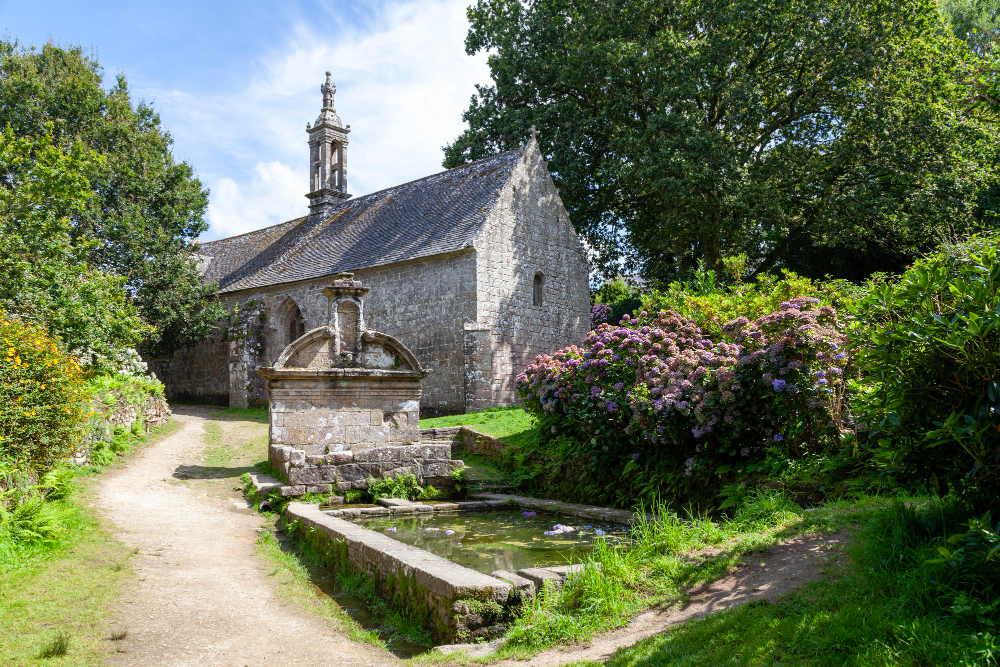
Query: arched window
[[296, 326], [537, 289]]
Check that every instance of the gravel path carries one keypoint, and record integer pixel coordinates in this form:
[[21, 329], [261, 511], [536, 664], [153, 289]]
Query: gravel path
[[201, 595]]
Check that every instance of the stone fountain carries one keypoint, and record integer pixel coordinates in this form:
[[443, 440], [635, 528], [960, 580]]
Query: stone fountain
[[345, 405]]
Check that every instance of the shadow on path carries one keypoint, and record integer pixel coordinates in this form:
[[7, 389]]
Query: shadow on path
[[209, 472]]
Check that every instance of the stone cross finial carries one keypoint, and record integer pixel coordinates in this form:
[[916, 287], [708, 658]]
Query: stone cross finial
[[534, 133], [328, 89]]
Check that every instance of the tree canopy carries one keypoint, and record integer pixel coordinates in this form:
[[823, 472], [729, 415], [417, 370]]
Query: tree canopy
[[143, 208], [45, 276], [820, 136]]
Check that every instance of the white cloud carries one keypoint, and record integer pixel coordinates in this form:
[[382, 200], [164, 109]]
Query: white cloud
[[403, 81], [273, 191]]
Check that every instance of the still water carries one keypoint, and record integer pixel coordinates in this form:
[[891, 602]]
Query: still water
[[498, 540]]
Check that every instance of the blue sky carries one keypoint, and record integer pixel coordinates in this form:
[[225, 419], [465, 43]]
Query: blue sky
[[236, 82]]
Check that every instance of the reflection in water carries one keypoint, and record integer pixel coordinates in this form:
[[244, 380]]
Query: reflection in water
[[498, 540]]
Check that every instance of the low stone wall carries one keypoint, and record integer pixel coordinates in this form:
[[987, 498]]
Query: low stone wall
[[311, 469], [463, 438], [453, 596], [119, 412], [592, 512]]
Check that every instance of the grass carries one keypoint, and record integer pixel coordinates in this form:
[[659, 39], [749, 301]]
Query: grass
[[259, 415], [886, 606], [56, 595], [293, 578], [512, 425], [304, 576], [222, 452], [297, 571]]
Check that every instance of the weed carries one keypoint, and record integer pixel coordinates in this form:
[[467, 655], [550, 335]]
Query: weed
[[401, 486], [118, 635], [765, 508], [430, 493], [58, 647]]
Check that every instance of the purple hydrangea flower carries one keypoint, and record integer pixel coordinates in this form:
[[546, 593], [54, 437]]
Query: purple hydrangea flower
[[779, 384]]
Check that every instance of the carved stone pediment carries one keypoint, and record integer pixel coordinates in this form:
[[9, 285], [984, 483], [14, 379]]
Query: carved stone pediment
[[318, 350]]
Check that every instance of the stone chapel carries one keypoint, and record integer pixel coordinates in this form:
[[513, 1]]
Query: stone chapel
[[476, 270]]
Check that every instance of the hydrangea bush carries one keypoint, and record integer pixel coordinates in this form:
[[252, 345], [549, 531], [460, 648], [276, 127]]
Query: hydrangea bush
[[658, 404]]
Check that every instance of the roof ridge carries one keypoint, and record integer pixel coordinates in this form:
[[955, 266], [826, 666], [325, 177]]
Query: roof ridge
[[438, 173], [370, 194]]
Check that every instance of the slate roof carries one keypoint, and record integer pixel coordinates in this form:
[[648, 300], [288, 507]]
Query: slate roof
[[430, 216]]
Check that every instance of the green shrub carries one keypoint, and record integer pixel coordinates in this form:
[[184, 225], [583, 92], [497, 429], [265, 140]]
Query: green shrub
[[401, 486], [430, 493], [711, 300], [614, 299], [57, 484], [353, 496], [43, 401], [929, 347], [101, 454], [29, 521]]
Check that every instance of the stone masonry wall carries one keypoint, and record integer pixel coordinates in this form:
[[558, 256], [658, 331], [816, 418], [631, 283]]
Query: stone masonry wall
[[199, 373], [527, 232], [423, 302]]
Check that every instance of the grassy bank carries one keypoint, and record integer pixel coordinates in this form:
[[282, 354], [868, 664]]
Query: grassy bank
[[56, 593], [889, 604], [513, 425]]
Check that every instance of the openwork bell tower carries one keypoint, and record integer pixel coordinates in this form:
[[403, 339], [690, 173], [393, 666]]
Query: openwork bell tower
[[327, 156]]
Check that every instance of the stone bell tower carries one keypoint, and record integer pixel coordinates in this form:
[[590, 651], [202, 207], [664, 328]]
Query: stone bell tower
[[327, 156]]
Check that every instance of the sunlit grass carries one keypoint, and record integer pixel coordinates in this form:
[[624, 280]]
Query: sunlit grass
[[512, 425], [55, 595]]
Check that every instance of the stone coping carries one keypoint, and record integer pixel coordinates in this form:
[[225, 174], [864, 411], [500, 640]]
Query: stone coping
[[434, 573], [265, 484], [270, 373], [407, 508], [593, 512]]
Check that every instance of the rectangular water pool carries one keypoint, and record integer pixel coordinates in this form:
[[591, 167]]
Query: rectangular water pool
[[497, 539]]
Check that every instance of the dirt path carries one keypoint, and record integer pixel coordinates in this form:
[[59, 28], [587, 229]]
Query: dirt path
[[201, 595], [766, 576]]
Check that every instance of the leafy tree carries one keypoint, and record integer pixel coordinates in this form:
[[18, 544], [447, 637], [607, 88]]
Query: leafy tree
[[45, 276], [146, 208], [977, 22], [819, 136]]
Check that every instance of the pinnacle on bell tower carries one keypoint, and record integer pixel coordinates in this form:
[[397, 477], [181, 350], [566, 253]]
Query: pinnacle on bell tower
[[327, 155]]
